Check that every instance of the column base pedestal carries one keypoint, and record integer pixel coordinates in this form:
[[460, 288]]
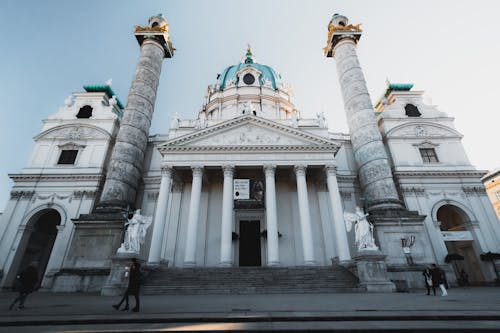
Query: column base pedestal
[[372, 272], [225, 264], [117, 282], [189, 264], [273, 264]]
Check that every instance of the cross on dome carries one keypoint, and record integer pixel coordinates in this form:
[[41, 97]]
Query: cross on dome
[[249, 56]]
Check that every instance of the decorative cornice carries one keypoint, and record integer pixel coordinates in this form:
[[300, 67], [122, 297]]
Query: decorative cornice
[[21, 194], [331, 148], [346, 178], [418, 174], [416, 191], [151, 180], [474, 190], [53, 177], [86, 194]]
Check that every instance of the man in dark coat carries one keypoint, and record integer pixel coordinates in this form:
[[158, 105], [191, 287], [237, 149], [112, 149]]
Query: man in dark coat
[[439, 279], [134, 283], [27, 281]]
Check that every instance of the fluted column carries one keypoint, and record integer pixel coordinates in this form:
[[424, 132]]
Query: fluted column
[[375, 174], [341, 243], [226, 256], [305, 215], [273, 258], [194, 211], [127, 158], [159, 223]]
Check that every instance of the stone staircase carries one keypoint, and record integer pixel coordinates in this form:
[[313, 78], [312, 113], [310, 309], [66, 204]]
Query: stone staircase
[[250, 280]]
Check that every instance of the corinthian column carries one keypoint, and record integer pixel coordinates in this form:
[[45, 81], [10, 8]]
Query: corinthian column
[[341, 242], [226, 257], [305, 215], [273, 257], [127, 158], [159, 223], [194, 211], [373, 164]]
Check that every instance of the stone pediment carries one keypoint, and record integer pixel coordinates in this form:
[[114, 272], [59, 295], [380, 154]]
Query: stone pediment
[[422, 130], [74, 132], [249, 132]]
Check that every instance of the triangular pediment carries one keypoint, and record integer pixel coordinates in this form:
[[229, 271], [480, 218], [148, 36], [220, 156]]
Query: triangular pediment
[[249, 131]]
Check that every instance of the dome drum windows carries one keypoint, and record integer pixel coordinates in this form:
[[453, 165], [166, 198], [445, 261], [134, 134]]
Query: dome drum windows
[[248, 79], [248, 76]]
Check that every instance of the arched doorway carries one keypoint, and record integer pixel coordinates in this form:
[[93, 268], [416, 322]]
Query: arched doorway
[[458, 239], [40, 240]]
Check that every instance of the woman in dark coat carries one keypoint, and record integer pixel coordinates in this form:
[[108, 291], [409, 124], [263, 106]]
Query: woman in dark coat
[[134, 284], [27, 280]]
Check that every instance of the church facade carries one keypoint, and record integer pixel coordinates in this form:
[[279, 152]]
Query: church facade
[[248, 181]]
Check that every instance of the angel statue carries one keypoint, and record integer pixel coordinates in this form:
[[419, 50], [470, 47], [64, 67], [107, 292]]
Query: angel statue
[[362, 228], [135, 233]]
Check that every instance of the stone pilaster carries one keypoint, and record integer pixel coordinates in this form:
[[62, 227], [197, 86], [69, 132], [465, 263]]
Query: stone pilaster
[[373, 164], [127, 158]]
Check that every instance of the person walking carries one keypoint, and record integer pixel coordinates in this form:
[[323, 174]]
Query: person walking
[[427, 273], [134, 283], [27, 281], [439, 279]]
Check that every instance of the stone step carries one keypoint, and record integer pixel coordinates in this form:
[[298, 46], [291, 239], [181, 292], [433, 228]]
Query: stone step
[[246, 280]]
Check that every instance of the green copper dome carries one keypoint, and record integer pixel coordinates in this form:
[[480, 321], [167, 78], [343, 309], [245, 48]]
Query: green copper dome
[[266, 72]]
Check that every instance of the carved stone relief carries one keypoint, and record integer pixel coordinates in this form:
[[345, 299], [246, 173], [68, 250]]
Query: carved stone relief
[[75, 133], [248, 135]]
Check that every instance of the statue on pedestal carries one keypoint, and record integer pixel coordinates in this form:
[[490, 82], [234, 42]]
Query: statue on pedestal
[[362, 228], [135, 233]]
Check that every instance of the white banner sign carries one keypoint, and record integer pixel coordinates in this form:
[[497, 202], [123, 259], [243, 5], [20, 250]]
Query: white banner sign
[[456, 235], [241, 189]]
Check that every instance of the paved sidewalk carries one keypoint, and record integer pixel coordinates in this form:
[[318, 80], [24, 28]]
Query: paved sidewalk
[[463, 309]]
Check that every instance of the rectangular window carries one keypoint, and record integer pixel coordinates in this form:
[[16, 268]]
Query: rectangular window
[[428, 155], [497, 194], [67, 157]]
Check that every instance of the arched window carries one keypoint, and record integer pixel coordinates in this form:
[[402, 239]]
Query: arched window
[[412, 111], [85, 112]]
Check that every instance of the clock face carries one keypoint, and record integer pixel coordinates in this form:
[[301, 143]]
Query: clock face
[[248, 79]]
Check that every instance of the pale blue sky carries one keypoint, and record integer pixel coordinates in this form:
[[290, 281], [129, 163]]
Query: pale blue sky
[[51, 48]]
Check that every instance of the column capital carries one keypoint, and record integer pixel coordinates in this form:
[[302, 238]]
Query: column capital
[[339, 30], [197, 170], [166, 170], [157, 30], [300, 169], [228, 170], [269, 169], [330, 169]]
